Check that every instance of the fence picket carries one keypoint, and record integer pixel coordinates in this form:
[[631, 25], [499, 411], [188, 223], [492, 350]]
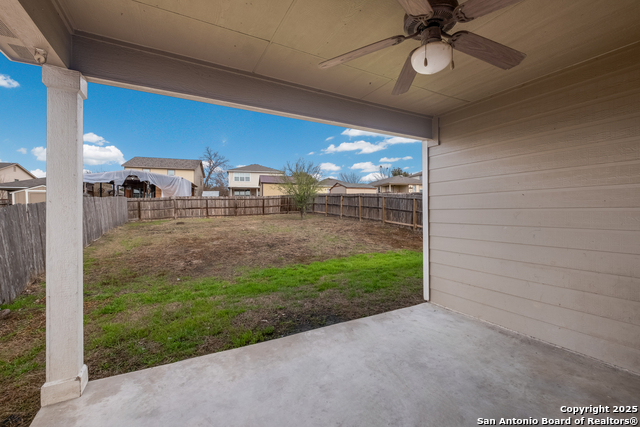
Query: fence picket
[[23, 238]]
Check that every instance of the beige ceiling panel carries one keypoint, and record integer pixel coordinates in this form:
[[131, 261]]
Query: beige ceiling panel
[[283, 63], [257, 18], [330, 28], [416, 99], [530, 27], [151, 27]]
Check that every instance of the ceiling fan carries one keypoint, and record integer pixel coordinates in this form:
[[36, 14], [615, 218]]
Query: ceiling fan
[[429, 21]]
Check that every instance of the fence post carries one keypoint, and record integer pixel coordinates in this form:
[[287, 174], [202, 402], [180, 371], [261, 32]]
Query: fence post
[[175, 208], [415, 218], [360, 208], [326, 205], [263, 205], [206, 207], [383, 208], [341, 199]]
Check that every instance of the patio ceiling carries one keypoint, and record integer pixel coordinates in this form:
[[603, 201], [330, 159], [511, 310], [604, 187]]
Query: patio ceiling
[[284, 40]]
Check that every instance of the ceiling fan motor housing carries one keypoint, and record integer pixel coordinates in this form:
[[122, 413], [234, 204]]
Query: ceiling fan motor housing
[[442, 13]]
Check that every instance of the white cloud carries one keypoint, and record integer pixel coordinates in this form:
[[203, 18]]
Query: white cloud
[[399, 140], [85, 171], [363, 147], [8, 82], [355, 132], [40, 153], [22, 150], [395, 159], [369, 167], [39, 173], [311, 153], [329, 167], [92, 138], [370, 177], [330, 138], [240, 166], [406, 167], [93, 155]]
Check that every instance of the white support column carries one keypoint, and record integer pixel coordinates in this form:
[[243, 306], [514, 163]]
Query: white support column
[[425, 218], [66, 373]]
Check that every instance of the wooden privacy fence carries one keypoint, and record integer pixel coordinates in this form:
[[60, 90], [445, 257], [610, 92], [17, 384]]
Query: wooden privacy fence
[[23, 237], [205, 207], [398, 209]]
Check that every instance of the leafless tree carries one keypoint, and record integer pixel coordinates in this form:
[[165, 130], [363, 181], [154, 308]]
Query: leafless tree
[[351, 177], [383, 173], [300, 181], [215, 174]]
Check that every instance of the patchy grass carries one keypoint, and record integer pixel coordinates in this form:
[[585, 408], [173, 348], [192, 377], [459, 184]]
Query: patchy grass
[[278, 276]]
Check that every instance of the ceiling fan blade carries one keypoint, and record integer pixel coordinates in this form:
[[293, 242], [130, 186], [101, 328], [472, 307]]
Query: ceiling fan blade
[[473, 9], [405, 79], [417, 7], [486, 50], [373, 47]]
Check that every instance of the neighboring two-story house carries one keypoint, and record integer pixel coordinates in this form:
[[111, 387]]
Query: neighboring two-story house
[[191, 170], [12, 172], [245, 180]]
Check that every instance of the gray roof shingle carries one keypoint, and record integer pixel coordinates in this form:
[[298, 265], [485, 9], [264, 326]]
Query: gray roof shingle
[[397, 180], [253, 168], [353, 185], [156, 162], [271, 179], [27, 183], [5, 165]]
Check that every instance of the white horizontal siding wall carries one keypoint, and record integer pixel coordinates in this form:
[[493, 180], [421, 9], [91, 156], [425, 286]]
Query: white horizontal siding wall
[[535, 209]]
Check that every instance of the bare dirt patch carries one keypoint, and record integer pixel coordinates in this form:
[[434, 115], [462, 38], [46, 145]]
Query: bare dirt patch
[[142, 258], [225, 247]]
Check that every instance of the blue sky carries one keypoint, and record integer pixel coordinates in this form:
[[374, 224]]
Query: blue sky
[[120, 124]]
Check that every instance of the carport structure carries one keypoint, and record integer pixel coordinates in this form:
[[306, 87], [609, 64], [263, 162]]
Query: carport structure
[[533, 179]]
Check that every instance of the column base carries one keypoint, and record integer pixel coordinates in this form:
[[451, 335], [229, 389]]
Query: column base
[[61, 390]]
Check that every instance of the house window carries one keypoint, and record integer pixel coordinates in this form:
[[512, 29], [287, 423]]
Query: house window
[[241, 192], [171, 172], [147, 170], [242, 176]]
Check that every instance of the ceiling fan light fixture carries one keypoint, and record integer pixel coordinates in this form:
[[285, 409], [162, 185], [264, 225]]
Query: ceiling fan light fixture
[[431, 57]]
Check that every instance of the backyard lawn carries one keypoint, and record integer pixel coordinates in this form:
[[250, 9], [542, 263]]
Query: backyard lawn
[[158, 292]]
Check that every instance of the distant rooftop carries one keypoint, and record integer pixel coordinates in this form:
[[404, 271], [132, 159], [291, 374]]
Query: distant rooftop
[[397, 180], [19, 185], [353, 185], [162, 163], [271, 179], [5, 165], [328, 182], [254, 168]]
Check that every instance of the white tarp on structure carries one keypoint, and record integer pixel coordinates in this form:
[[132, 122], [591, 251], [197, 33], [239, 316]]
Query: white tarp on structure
[[170, 185]]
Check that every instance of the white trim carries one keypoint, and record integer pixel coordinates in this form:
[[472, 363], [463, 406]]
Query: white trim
[[425, 220], [66, 373]]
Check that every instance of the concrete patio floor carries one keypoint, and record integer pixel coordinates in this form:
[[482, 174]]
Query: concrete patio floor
[[418, 366]]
